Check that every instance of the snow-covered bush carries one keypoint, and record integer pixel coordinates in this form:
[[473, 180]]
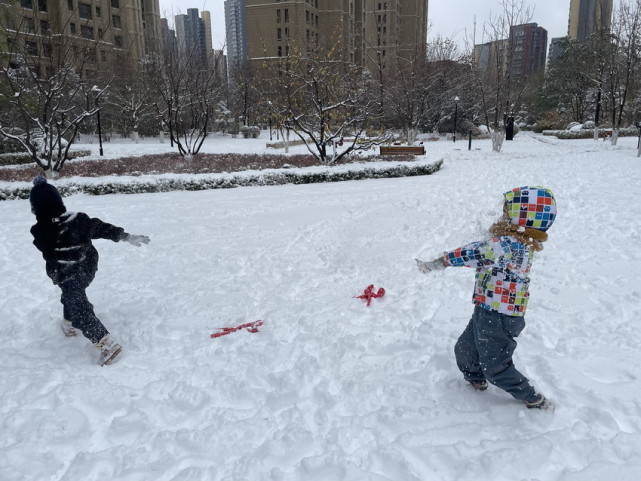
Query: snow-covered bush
[[238, 180], [20, 158], [250, 131]]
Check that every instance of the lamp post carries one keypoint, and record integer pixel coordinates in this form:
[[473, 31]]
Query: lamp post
[[97, 93], [456, 99]]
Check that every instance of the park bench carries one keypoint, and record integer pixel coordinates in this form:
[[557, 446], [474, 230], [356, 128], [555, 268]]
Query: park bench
[[402, 150]]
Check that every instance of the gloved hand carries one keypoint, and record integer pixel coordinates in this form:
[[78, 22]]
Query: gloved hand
[[430, 266], [136, 240]]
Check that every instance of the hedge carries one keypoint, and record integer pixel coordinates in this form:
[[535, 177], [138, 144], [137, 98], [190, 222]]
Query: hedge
[[276, 178], [21, 158]]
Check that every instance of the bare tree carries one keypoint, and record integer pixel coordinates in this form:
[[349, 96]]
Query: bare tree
[[190, 93], [623, 61], [498, 92], [44, 97], [324, 100]]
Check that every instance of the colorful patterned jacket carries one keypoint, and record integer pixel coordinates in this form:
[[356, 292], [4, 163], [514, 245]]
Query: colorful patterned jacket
[[503, 262], [502, 267]]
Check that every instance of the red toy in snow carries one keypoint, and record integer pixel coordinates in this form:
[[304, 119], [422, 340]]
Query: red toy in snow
[[369, 294], [250, 326]]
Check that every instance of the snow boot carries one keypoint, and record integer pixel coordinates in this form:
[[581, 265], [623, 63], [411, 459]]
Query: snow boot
[[540, 402], [67, 329], [479, 385], [109, 350]]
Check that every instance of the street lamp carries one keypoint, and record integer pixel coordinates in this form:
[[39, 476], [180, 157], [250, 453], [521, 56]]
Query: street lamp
[[456, 99], [97, 93]]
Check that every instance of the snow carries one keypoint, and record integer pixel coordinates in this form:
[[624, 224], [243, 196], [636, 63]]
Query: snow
[[329, 389]]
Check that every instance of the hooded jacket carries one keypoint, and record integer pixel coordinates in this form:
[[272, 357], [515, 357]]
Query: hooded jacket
[[64, 238], [503, 262]]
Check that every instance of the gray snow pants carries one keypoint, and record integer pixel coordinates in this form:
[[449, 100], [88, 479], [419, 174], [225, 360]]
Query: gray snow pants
[[484, 352]]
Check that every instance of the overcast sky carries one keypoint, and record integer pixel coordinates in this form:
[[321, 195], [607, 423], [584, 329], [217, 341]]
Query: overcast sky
[[449, 18]]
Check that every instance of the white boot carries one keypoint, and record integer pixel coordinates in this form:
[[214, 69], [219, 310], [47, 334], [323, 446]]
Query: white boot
[[109, 350], [67, 328]]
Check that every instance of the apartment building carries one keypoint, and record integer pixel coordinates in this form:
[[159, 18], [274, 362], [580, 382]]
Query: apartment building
[[236, 30], [528, 44], [95, 30], [522, 55], [588, 17], [365, 32]]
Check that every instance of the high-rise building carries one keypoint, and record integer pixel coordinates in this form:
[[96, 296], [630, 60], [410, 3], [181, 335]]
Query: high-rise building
[[522, 55], [364, 32], [588, 17], [557, 47], [100, 29], [191, 35], [528, 49], [236, 29]]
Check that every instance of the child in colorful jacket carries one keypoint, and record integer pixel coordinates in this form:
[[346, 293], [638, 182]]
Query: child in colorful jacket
[[484, 350], [64, 238]]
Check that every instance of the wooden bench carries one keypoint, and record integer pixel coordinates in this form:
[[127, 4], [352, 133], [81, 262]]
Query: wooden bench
[[402, 150]]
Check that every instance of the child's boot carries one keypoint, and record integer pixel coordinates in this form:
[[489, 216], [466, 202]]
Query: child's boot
[[540, 402], [479, 385], [67, 328], [109, 350]]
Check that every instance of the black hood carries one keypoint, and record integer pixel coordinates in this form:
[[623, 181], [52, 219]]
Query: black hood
[[46, 201]]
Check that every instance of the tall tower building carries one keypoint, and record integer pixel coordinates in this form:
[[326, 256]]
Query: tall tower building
[[191, 35], [588, 17], [528, 49], [236, 29]]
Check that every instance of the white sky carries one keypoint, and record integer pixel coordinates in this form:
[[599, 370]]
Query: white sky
[[450, 18]]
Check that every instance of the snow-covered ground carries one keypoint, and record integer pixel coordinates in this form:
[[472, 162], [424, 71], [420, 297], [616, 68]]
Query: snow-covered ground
[[329, 389]]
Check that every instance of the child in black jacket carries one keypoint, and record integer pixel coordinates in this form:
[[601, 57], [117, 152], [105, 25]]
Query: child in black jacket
[[64, 238]]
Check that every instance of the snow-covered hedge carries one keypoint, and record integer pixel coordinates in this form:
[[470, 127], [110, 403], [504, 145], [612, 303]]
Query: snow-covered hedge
[[589, 133], [163, 184], [20, 158]]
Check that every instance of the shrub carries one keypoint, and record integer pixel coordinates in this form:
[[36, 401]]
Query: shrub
[[250, 131], [22, 158], [237, 180]]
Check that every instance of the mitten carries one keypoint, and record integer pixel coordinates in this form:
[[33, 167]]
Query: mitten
[[136, 240], [430, 266]]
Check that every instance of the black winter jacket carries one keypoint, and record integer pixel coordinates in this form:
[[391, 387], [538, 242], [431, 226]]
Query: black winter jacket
[[65, 243]]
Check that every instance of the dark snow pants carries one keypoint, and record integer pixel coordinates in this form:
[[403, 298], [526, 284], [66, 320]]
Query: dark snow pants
[[79, 310], [485, 349]]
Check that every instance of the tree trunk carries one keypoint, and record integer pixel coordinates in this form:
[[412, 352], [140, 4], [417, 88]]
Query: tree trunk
[[497, 140]]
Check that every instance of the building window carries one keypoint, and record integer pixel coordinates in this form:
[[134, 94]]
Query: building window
[[42, 5], [31, 48], [47, 50], [115, 21], [280, 51], [279, 34], [44, 27], [307, 17], [286, 15], [26, 4], [278, 15], [115, 4], [98, 12], [86, 31], [72, 28], [118, 41], [28, 25], [70, 4], [84, 11]]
